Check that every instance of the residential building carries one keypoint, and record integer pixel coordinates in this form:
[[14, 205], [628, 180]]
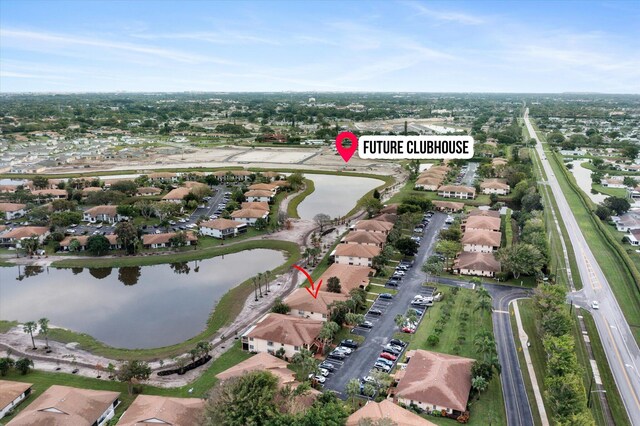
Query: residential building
[[484, 212], [457, 191], [166, 177], [272, 187], [12, 394], [83, 239], [222, 228], [256, 205], [376, 226], [448, 206], [315, 308], [164, 240], [495, 186], [11, 211], [628, 221], [90, 190], [350, 277], [275, 331], [613, 183], [153, 409], [365, 238], [435, 382], [49, 194], [356, 254], [13, 237], [386, 217], [176, 195], [386, 412], [259, 195], [481, 222], [481, 240], [476, 263], [428, 183], [64, 405], [249, 216], [148, 191], [107, 214]]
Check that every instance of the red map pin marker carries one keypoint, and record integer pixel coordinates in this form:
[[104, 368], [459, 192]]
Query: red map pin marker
[[346, 153]]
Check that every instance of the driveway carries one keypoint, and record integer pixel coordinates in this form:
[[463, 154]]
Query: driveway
[[515, 395], [360, 363]]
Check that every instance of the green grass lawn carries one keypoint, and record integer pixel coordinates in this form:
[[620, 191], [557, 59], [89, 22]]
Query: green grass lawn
[[613, 192], [43, 380], [292, 207], [457, 339], [407, 190]]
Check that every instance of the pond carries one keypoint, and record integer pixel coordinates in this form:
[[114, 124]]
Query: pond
[[335, 195], [583, 179], [131, 307]]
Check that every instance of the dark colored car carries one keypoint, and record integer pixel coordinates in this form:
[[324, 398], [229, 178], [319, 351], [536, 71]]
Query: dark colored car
[[349, 343], [375, 312], [386, 296], [366, 324], [327, 366], [398, 342]]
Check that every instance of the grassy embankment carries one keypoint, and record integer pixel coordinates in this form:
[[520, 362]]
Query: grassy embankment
[[224, 313], [457, 339], [292, 207]]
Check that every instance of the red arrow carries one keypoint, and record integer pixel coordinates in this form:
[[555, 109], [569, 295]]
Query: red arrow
[[313, 291]]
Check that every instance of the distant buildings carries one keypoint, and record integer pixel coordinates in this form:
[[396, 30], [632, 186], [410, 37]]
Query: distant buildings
[[12, 211], [495, 186], [222, 228], [315, 308], [457, 191], [106, 214], [356, 254]]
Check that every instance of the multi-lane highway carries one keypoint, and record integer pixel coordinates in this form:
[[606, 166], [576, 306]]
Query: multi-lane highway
[[619, 344]]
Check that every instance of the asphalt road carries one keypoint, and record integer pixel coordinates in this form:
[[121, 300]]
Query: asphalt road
[[361, 361], [619, 344], [515, 394]]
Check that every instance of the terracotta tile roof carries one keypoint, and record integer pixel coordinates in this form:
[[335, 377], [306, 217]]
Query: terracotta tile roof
[[259, 362], [10, 390], [177, 194], [164, 238], [373, 225], [91, 189], [482, 222], [151, 409], [193, 184], [428, 181], [448, 205], [495, 184], [258, 193], [499, 161], [255, 205], [102, 210], [478, 262], [65, 406], [435, 378], [350, 276], [457, 188], [483, 212], [11, 207], [26, 232], [483, 237], [387, 217], [357, 250], [162, 175], [364, 237], [388, 411], [286, 329], [250, 213], [221, 224], [301, 300], [390, 208], [149, 190], [264, 186]]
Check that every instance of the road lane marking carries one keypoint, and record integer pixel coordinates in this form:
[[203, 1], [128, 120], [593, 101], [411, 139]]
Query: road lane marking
[[624, 370]]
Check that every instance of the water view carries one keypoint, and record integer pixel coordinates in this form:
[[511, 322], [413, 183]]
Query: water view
[[156, 305], [583, 179], [335, 195]]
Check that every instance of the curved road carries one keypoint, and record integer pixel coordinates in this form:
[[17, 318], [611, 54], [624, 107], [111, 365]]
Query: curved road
[[619, 344], [515, 394]]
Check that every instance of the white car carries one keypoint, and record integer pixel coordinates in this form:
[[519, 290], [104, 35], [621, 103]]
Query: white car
[[182, 220], [344, 350], [595, 305], [323, 371], [317, 378]]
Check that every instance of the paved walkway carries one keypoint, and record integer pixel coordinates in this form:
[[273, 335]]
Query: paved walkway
[[524, 340]]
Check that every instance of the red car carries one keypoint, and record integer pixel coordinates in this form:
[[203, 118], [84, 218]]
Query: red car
[[408, 330], [387, 355]]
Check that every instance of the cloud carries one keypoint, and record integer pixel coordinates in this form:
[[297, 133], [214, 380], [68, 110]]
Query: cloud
[[214, 37], [25, 39], [446, 16]]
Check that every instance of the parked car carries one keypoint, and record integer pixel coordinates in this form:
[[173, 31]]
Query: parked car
[[317, 378], [398, 342], [323, 372], [418, 230], [418, 312], [385, 296], [349, 343], [327, 366], [375, 312], [337, 355], [389, 356], [384, 361], [382, 367], [408, 330], [392, 349], [366, 324], [400, 272], [344, 350], [393, 283]]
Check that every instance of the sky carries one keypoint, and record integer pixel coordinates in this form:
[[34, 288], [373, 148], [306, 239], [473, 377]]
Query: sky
[[327, 46]]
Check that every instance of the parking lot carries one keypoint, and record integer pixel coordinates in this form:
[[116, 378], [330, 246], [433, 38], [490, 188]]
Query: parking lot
[[382, 325]]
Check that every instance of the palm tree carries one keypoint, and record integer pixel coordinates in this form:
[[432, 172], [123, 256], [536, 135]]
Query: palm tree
[[484, 305], [479, 383], [260, 283], [305, 360], [30, 327], [44, 329], [267, 277], [255, 287], [353, 390], [328, 332], [399, 320]]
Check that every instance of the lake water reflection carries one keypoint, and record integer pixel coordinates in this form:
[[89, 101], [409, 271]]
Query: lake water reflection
[[335, 195], [131, 307]]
